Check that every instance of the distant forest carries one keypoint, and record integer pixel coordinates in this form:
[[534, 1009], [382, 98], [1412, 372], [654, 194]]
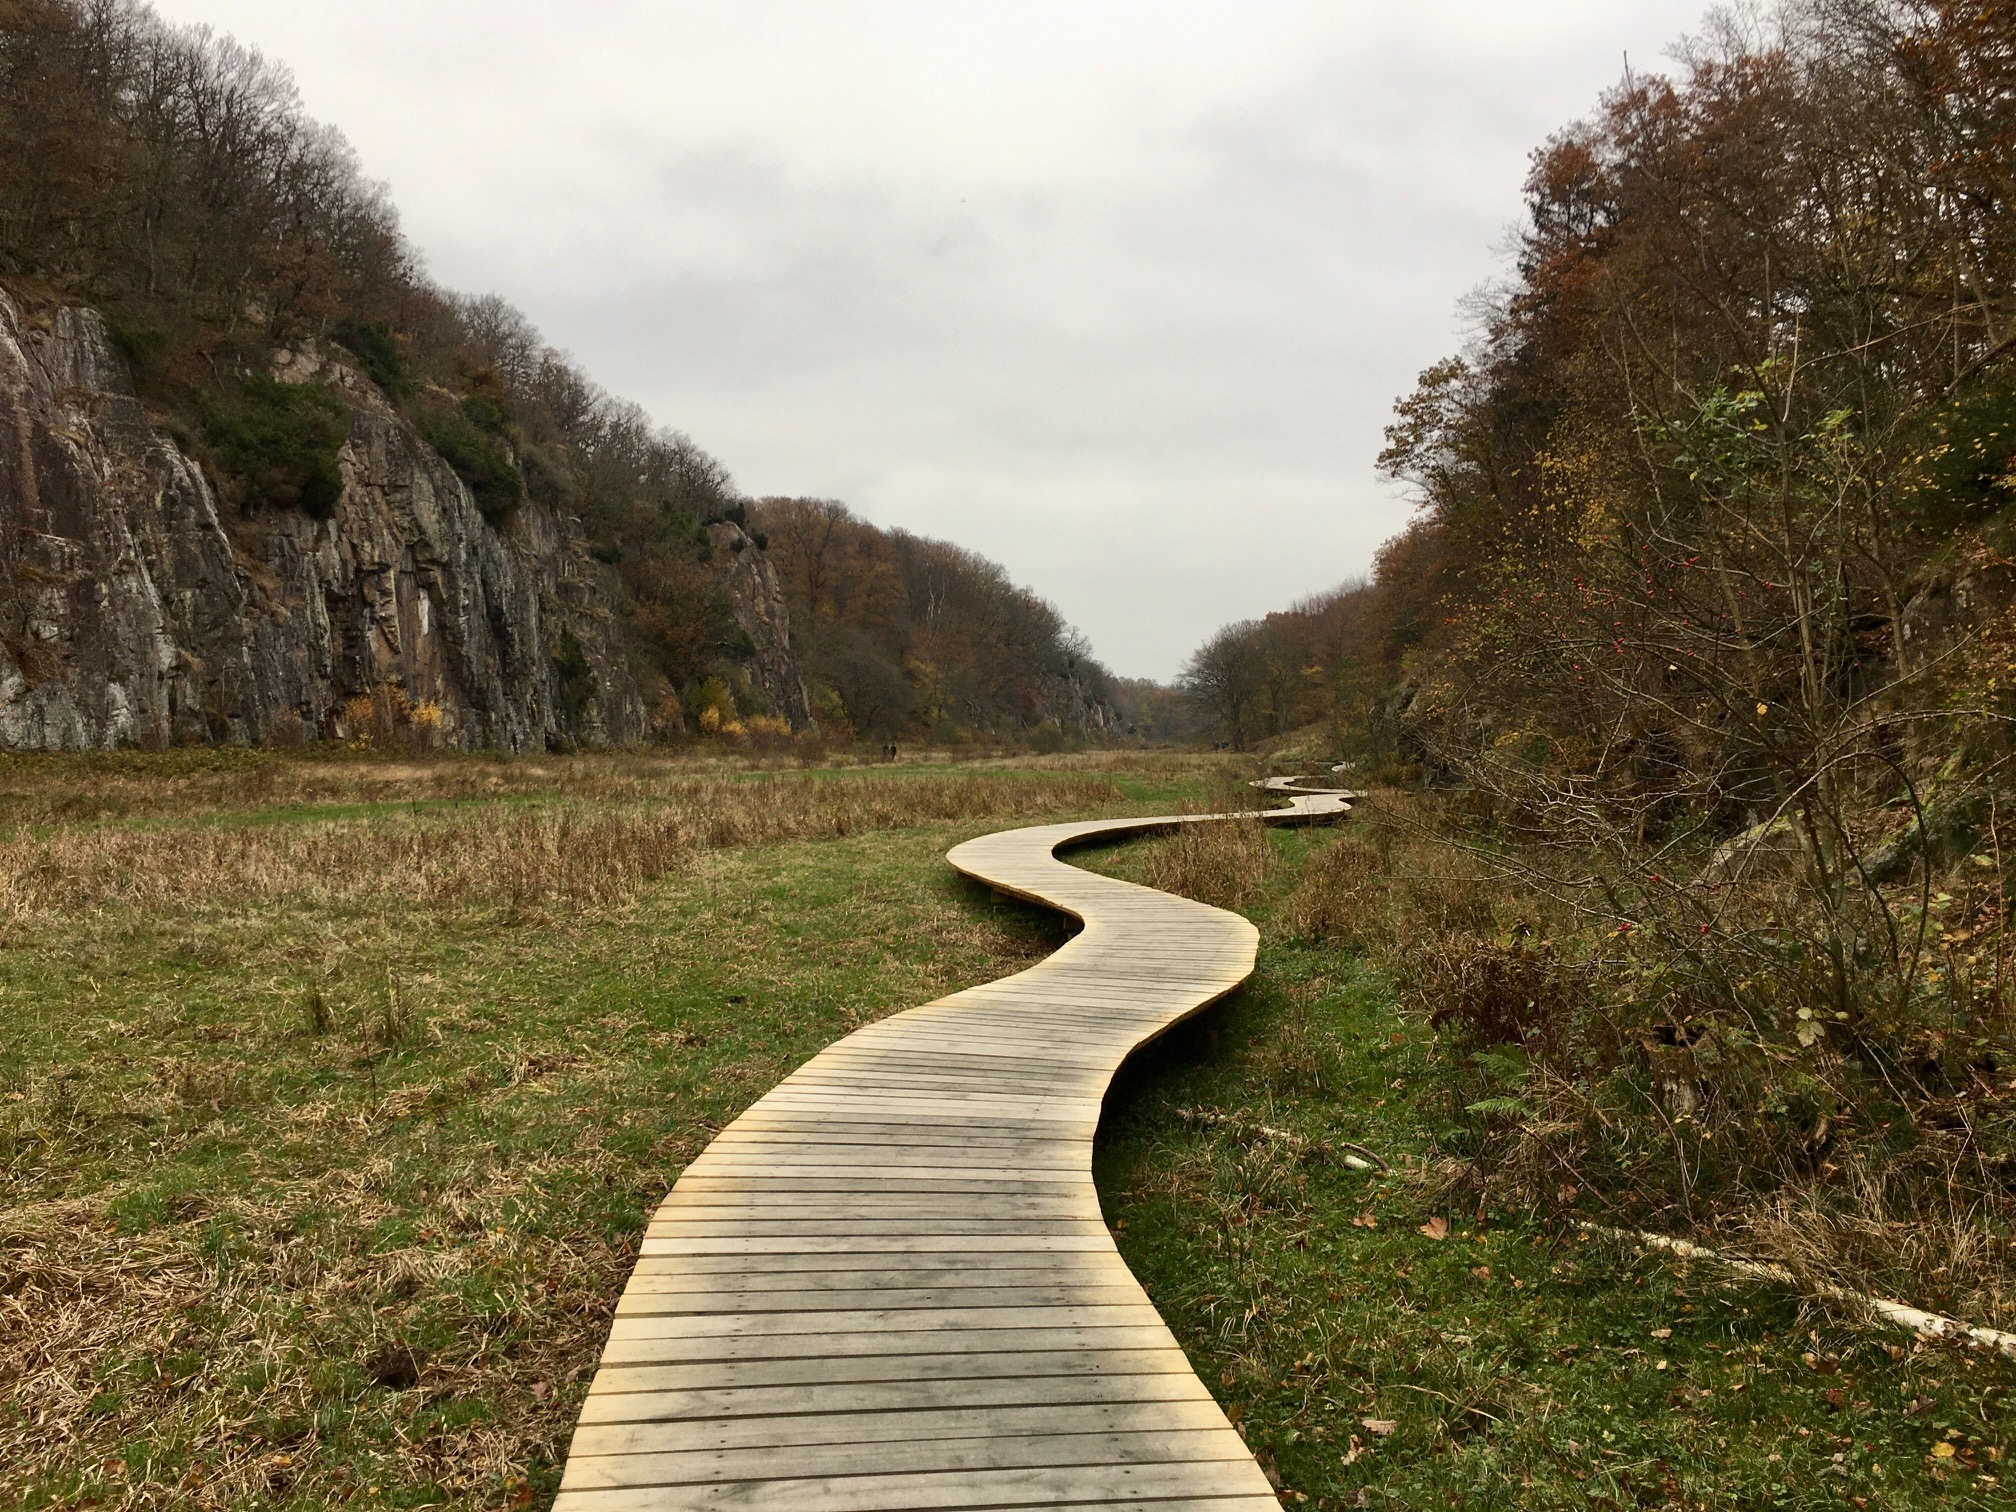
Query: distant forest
[[169, 178], [898, 632]]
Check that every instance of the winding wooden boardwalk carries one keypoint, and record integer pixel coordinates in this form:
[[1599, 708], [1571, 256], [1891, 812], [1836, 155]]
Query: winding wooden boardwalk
[[888, 1285]]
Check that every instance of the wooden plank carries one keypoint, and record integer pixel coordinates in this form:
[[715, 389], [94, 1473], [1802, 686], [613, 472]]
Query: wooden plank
[[685, 1349], [925, 1371], [888, 1285], [1061, 1390], [1184, 1446], [651, 1323], [747, 1302], [1225, 1486], [974, 1262], [899, 1426]]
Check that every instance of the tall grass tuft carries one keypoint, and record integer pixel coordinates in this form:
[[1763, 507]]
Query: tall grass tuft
[[576, 852], [1223, 862]]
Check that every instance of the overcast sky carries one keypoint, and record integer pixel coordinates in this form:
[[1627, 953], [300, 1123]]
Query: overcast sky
[[1118, 294]]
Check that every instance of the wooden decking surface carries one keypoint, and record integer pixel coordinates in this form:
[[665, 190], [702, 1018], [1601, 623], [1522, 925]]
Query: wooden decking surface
[[888, 1285]]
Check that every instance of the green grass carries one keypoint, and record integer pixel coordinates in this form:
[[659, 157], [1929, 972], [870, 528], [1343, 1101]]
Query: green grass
[[1520, 1366], [260, 1252], [312, 1206]]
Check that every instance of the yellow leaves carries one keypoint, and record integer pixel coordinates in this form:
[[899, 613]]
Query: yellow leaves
[[385, 713], [1762, 710]]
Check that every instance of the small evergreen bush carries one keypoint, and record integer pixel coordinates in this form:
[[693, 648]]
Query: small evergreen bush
[[376, 349], [486, 413], [279, 442], [578, 683], [479, 460]]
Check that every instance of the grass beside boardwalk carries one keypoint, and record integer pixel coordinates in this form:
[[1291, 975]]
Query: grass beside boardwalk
[[334, 1094], [1507, 1363], [324, 1149]]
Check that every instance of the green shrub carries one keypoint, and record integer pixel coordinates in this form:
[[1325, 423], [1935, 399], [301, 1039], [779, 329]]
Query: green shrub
[[140, 344], [376, 349], [479, 460], [486, 413], [1968, 456], [712, 693], [279, 442]]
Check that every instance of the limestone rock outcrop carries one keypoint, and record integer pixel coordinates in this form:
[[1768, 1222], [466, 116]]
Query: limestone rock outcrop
[[756, 598], [133, 611]]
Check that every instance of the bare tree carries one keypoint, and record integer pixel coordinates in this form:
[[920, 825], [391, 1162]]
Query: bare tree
[[1224, 681]]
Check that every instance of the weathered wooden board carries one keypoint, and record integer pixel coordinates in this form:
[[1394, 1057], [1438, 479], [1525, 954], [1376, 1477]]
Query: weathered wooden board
[[888, 1286]]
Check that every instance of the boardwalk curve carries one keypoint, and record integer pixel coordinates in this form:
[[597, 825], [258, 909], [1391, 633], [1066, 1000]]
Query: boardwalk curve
[[888, 1285]]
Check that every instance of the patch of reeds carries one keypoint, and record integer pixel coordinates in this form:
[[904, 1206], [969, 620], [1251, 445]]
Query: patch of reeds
[[576, 851], [1223, 862]]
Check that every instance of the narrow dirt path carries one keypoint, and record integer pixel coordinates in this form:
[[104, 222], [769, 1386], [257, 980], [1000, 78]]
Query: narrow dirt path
[[888, 1285]]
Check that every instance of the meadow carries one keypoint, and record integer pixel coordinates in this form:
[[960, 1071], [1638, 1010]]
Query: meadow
[[1413, 1337], [334, 1093], [336, 1090]]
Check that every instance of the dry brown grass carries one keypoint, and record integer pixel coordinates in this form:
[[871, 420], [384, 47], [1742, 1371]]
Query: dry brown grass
[[202, 781], [1389, 885], [1344, 895], [292, 1208], [81, 1295], [1154, 763], [1898, 1235], [574, 851], [1223, 862], [1576, 1084]]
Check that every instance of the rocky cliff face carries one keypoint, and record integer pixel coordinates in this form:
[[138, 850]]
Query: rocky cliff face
[[1080, 708], [130, 614], [757, 599]]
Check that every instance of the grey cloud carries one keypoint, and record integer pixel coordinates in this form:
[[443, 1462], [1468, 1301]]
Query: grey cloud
[[1120, 295]]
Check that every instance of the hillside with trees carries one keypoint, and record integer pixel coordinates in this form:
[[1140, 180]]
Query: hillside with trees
[[1704, 632], [905, 636], [256, 286]]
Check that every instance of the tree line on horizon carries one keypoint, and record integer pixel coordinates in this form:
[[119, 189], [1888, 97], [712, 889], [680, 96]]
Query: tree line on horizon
[[902, 634], [169, 178]]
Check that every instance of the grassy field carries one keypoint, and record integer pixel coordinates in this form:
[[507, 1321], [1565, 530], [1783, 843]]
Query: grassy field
[[1381, 1348], [334, 1093]]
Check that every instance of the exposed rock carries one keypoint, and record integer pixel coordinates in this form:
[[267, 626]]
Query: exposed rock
[[1078, 706], [1947, 824], [1771, 847], [130, 614], [757, 600]]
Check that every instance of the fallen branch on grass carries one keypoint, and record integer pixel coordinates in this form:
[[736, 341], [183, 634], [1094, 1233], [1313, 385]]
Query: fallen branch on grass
[[1355, 1156], [1927, 1324]]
